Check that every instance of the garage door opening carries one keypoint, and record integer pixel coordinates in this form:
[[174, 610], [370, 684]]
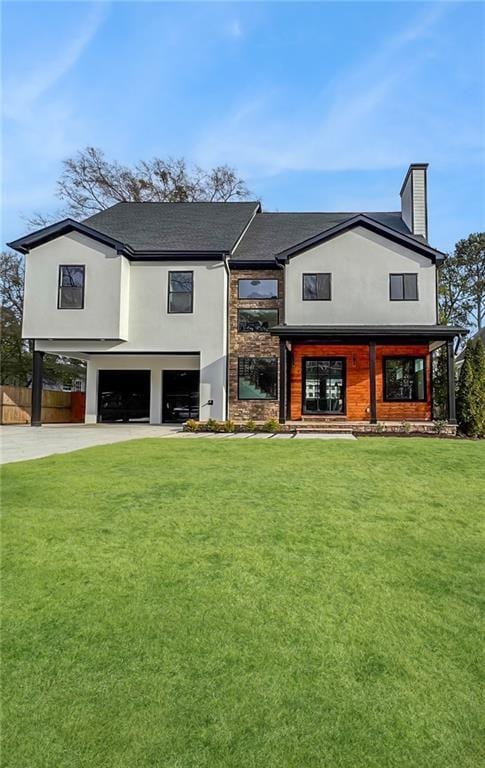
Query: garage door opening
[[180, 396], [124, 396]]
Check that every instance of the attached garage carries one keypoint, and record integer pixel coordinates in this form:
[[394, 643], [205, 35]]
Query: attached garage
[[124, 396]]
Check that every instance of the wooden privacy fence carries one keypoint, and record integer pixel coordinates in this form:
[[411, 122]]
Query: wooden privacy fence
[[57, 407]]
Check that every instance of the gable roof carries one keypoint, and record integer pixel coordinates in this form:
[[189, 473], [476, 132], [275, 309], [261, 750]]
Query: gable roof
[[63, 227], [206, 227], [282, 235], [212, 230]]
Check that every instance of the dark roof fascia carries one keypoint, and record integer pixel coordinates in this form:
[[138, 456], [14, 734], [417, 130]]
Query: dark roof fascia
[[44, 235], [432, 332], [177, 255], [363, 221], [254, 263]]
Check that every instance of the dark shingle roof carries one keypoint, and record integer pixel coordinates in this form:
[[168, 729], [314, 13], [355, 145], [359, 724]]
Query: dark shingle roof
[[175, 226], [271, 233]]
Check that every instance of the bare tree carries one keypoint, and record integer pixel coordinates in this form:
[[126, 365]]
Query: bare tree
[[89, 183]]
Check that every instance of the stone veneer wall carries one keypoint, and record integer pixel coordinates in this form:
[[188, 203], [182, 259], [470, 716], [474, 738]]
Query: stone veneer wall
[[252, 344]]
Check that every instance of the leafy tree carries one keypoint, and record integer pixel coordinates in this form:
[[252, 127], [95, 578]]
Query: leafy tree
[[16, 352], [471, 390], [462, 283], [90, 183]]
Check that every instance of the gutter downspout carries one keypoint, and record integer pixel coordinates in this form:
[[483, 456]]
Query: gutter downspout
[[225, 258]]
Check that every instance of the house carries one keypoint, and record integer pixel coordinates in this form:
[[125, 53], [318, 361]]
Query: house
[[461, 356], [222, 310]]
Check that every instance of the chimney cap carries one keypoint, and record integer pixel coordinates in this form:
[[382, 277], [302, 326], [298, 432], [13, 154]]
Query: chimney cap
[[413, 167]]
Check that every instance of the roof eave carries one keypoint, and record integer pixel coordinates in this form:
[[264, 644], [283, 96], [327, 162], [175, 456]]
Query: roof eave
[[432, 332], [363, 221], [53, 231]]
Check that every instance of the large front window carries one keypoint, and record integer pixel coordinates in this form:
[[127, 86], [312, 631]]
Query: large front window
[[258, 289], [404, 379], [257, 378], [324, 385], [71, 287], [180, 292], [257, 320]]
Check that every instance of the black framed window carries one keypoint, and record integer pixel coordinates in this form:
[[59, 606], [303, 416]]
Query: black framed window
[[256, 320], [403, 287], [257, 378], [71, 286], [317, 286], [404, 379], [180, 292], [258, 289]]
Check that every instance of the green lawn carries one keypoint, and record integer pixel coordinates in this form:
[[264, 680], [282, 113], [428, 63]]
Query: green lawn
[[235, 604]]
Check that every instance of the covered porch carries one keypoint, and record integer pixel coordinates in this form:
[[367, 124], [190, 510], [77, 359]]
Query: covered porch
[[353, 376]]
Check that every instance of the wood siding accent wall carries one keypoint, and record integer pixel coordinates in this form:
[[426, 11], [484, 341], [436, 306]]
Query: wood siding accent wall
[[252, 344], [357, 366], [358, 381], [402, 411]]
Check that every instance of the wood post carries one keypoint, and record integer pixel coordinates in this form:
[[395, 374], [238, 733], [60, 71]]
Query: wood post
[[451, 381], [283, 380], [372, 382]]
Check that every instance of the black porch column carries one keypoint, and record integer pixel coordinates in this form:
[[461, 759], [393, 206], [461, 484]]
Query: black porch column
[[37, 370], [372, 382], [283, 379], [451, 381]]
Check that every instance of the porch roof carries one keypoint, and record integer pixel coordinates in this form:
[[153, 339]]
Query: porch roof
[[423, 332]]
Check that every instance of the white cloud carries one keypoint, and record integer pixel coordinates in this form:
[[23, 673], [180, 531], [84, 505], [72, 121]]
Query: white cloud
[[359, 120], [234, 29], [22, 92]]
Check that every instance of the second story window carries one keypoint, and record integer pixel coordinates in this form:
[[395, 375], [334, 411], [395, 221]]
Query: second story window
[[180, 292], [258, 289], [71, 287], [317, 286], [403, 286]]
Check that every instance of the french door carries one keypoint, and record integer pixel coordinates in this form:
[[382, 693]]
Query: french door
[[324, 385]]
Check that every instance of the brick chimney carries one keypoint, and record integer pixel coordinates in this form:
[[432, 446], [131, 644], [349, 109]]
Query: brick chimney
[[414, 202]]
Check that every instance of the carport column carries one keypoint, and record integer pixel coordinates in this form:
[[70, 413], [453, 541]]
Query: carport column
[[37, 371], [91, 415], [156, 393]]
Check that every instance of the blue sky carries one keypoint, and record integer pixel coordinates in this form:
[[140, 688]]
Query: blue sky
[[320, 106]]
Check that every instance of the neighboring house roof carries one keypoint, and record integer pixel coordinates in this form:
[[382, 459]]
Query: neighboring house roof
[[478, 335], [144, 230]]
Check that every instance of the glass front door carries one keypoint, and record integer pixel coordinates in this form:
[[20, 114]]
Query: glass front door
[[324, 385]]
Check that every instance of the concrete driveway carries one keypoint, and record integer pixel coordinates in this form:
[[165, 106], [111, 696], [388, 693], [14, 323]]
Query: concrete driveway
[[19, 443]]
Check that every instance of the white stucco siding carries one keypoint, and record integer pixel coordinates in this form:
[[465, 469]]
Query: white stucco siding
[[105, 293], [360, 263], [150, 328]]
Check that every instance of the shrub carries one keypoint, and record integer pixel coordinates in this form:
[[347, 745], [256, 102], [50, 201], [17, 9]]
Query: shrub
[[191, 425], [249, 426], [272, 425], [380, 427], [406, 427], [211, 425], [439, 426], [226, 426], [470, 404]]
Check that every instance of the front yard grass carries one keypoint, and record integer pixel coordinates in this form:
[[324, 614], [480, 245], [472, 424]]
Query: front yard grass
[[232, 604]]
